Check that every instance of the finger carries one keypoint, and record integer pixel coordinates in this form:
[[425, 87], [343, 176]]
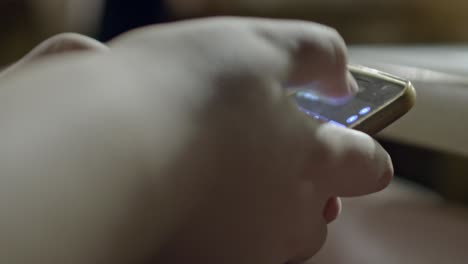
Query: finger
[[355, 164], [317, 55], [59, 44]]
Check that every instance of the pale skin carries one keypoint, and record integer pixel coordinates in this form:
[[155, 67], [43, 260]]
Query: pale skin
[[176, 144]]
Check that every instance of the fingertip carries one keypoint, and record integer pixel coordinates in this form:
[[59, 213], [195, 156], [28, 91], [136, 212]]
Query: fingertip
[[338, 82], [387, 174], [344, 94]]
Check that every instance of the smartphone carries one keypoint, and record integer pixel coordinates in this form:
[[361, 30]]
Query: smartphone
[[381, 99]]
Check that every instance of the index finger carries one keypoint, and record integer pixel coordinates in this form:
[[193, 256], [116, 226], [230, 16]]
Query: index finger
[[317, 55]]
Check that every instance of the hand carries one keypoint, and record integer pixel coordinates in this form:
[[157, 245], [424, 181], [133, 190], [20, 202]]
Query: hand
[[271, 174], [214, 162]]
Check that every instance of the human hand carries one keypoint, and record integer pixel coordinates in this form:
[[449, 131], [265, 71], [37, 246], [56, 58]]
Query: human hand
[[237, 173], [271, 174]]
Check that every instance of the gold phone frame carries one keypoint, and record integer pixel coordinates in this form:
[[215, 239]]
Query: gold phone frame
[[380, 118]]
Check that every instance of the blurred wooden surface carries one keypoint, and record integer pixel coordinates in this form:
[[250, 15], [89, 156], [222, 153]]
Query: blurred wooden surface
[[362, 21], [26, 22]]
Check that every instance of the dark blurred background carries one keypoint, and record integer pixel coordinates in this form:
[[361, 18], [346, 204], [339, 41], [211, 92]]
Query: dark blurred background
[[23, 23]]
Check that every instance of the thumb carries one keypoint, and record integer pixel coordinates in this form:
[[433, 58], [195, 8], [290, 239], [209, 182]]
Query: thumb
[[355, 164]]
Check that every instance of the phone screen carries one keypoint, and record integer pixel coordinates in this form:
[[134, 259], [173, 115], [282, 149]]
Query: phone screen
[[373, 93]]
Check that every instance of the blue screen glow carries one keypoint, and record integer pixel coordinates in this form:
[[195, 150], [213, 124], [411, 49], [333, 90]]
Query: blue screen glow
[[352, 119], [364, 110], [336, 123]]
